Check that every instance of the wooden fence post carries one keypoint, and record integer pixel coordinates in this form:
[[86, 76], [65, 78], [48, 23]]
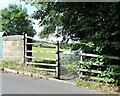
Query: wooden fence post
[[57, 61], [81, 60], [81, 57]]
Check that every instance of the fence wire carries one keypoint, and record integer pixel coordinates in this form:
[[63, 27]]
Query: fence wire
[[69, 67]]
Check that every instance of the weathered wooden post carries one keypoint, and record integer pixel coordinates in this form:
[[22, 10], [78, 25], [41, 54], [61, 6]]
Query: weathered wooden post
[[57, 61], [81, 57], [81, 61]]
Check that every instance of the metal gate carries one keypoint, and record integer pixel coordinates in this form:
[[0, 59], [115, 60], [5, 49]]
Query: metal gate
[[36, 59]]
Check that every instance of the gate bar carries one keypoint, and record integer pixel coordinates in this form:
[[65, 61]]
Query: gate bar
[[57, 61]]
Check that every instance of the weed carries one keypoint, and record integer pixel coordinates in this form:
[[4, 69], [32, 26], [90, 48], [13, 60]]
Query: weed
[[7, 63], [103, 87]]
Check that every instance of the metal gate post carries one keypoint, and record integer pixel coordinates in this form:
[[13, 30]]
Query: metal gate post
[[57, 61], [25, 47]]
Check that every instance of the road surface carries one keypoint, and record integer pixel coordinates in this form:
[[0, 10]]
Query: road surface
[[18, 84]]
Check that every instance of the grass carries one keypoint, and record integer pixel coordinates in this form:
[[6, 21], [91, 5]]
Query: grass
[[41, 48], [7, 63], [31, 69], [45, 61], [102, 87], [44, 54], [10, 64]]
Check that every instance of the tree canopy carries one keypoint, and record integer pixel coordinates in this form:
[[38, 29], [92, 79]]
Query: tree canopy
[[16, 21], [0, 26], [95, 25]]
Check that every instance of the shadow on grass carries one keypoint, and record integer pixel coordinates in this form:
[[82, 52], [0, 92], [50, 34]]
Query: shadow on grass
[[45, 61]]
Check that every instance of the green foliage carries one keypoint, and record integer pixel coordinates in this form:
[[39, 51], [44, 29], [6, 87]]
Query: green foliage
[[0, 26], [7, 63], [96, 68], [75, 46], [102, 87], [109, 73], [88, 62], [64, 45], [88, 84], [72, 46], [11, 64], [97, 30], [15, 21]]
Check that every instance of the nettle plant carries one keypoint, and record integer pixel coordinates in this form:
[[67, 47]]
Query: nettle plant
[[109, 72], [8, 63]]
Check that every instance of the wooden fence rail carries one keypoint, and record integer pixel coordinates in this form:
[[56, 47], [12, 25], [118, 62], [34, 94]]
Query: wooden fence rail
[[100, 56], [43, 51], [57, 59], [83, 62]]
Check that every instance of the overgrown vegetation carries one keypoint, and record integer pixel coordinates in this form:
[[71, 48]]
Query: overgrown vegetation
[[103, 87], [97, 31], [71, 46], [0, 26], [7, 64], [13, 65], [92, 69]]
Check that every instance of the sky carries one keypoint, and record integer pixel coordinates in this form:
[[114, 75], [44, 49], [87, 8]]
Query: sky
[[30, 10], [5, 3]]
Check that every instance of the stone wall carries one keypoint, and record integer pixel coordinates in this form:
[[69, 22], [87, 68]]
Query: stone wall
[[13, 48]]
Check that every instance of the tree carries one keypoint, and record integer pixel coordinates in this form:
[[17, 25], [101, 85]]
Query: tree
[[15, 21], [95, 25], [0, 27]]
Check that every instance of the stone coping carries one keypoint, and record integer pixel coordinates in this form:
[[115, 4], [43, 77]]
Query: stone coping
[[13, 38]]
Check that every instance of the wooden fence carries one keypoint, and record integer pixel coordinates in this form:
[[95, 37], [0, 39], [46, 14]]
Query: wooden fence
[[82, 57], [56, 66]]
